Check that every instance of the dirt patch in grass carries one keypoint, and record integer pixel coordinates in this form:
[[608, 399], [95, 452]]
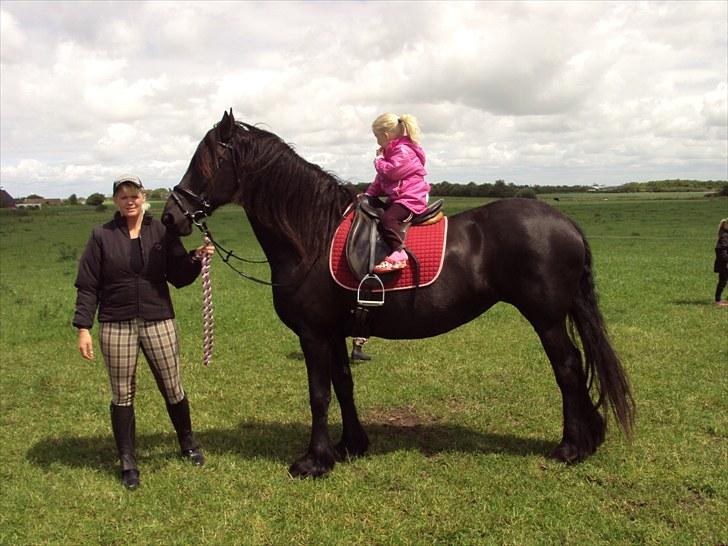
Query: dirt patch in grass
[[400, 417]]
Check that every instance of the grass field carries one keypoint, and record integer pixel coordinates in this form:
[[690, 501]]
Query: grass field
[[458, 424]]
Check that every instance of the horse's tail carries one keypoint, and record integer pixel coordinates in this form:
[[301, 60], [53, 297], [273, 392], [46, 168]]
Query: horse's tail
[[601, 360]]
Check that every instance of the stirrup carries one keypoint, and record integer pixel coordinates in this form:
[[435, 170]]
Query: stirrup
[[368, 284]]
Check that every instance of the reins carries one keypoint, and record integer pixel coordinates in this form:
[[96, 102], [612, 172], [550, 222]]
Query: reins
[[198, 219], [205, 210]]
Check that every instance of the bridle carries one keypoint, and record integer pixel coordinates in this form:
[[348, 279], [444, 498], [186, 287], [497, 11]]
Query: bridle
[[204, 208], [204, 211]]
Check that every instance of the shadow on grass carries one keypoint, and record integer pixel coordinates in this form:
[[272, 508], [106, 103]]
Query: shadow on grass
[[282, 442]]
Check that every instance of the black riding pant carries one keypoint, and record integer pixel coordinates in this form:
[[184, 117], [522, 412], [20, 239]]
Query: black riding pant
[[390, 222], [722, 280]]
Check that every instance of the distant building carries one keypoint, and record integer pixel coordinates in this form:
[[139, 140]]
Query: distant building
[[37, 203], [6, 200]]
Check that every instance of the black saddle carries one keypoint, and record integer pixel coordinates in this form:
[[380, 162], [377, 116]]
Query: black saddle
[[365, 247]]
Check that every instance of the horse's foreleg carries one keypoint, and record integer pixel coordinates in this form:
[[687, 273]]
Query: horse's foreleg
[[319, 459], [583, 425], [354, 440]]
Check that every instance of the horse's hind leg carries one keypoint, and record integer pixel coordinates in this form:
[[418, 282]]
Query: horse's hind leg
[[583, 425], [354, 441], [320, 457]]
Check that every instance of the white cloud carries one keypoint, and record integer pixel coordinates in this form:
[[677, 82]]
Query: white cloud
[[544, 92], [13, 39]]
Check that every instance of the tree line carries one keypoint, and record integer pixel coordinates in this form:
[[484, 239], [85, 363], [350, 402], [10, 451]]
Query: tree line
[[500, 188], [497, 189]]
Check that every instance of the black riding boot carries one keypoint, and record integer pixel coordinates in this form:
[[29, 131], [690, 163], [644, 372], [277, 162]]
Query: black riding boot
[[357, 354], [123, 424], [179, 413]]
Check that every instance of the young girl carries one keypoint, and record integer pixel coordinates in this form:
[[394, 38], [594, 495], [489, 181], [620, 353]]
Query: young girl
[[400, 166], [721, 261]]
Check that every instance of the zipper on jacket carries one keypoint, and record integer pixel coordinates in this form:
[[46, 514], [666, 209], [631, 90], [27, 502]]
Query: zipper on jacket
[[141, 253]]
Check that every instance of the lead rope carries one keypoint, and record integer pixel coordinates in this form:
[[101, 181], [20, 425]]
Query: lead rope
[[208, 317]]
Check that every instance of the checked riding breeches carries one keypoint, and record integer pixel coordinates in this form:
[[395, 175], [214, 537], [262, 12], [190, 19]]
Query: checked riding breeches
[[120, 343]]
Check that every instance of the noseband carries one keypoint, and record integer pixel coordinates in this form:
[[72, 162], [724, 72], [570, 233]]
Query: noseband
[[203, 206]]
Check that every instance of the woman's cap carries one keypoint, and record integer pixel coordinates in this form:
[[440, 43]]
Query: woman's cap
[[128, 179]]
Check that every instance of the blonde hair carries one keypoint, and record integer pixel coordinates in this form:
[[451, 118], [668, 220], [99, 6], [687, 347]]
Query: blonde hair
[[397, 126], [723, 226]]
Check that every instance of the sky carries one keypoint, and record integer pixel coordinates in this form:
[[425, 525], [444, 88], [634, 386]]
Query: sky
[[533, 93]]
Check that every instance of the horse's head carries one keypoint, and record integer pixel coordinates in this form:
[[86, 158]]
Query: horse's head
[[211, 179]]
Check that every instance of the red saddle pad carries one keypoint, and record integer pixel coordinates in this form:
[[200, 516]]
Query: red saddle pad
[[425, 242]]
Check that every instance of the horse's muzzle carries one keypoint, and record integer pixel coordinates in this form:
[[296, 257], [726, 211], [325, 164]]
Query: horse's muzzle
[[175, 223]]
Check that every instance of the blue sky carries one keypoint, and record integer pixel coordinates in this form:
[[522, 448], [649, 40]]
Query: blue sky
[[529, 92]]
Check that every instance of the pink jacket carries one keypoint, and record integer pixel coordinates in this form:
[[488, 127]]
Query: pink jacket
[[401, 175]]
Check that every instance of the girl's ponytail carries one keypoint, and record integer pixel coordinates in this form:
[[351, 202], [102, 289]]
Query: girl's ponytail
[[397, 125], [411, 126]]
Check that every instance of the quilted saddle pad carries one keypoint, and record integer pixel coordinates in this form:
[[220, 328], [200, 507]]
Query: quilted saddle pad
[[425, 242]]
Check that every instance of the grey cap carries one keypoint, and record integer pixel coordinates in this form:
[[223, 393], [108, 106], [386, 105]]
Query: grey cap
[[128, 179]]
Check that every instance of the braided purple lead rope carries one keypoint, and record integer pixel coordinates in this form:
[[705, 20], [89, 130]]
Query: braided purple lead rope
[[208, 318]]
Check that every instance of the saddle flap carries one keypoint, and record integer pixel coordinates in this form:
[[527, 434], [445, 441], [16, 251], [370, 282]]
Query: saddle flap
[[364, 246]]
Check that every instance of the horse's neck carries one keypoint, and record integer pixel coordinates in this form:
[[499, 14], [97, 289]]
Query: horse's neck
[[279, 252]]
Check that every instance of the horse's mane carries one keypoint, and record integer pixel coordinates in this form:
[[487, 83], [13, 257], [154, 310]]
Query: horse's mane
[[285, 193]]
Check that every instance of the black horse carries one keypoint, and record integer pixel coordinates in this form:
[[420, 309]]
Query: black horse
[[518, 251]]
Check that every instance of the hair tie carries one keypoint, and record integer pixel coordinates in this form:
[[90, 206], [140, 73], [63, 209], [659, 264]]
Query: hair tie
[[399, 120]]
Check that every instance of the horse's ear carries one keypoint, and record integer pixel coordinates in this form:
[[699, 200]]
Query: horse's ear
[[226, 126]]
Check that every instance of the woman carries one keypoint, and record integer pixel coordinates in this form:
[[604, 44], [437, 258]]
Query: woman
[[123, 274], [720, 266]]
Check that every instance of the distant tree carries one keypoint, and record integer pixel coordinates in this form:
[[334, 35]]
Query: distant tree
[[500, 189], [72, 199], [526, 193], [34, 196], [158, 193], [95, 199]]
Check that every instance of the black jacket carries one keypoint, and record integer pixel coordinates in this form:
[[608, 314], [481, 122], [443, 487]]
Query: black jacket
[[106, 279], [721, 253]]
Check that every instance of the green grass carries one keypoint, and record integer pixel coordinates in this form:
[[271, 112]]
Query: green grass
[[458, 424]]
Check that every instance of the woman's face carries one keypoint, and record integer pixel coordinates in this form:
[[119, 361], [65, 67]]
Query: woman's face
[[129, 201]]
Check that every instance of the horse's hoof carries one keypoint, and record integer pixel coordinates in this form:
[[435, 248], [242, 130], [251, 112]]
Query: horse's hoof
[[565, 453], [346, 450], [310, 467], [346, 453]]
